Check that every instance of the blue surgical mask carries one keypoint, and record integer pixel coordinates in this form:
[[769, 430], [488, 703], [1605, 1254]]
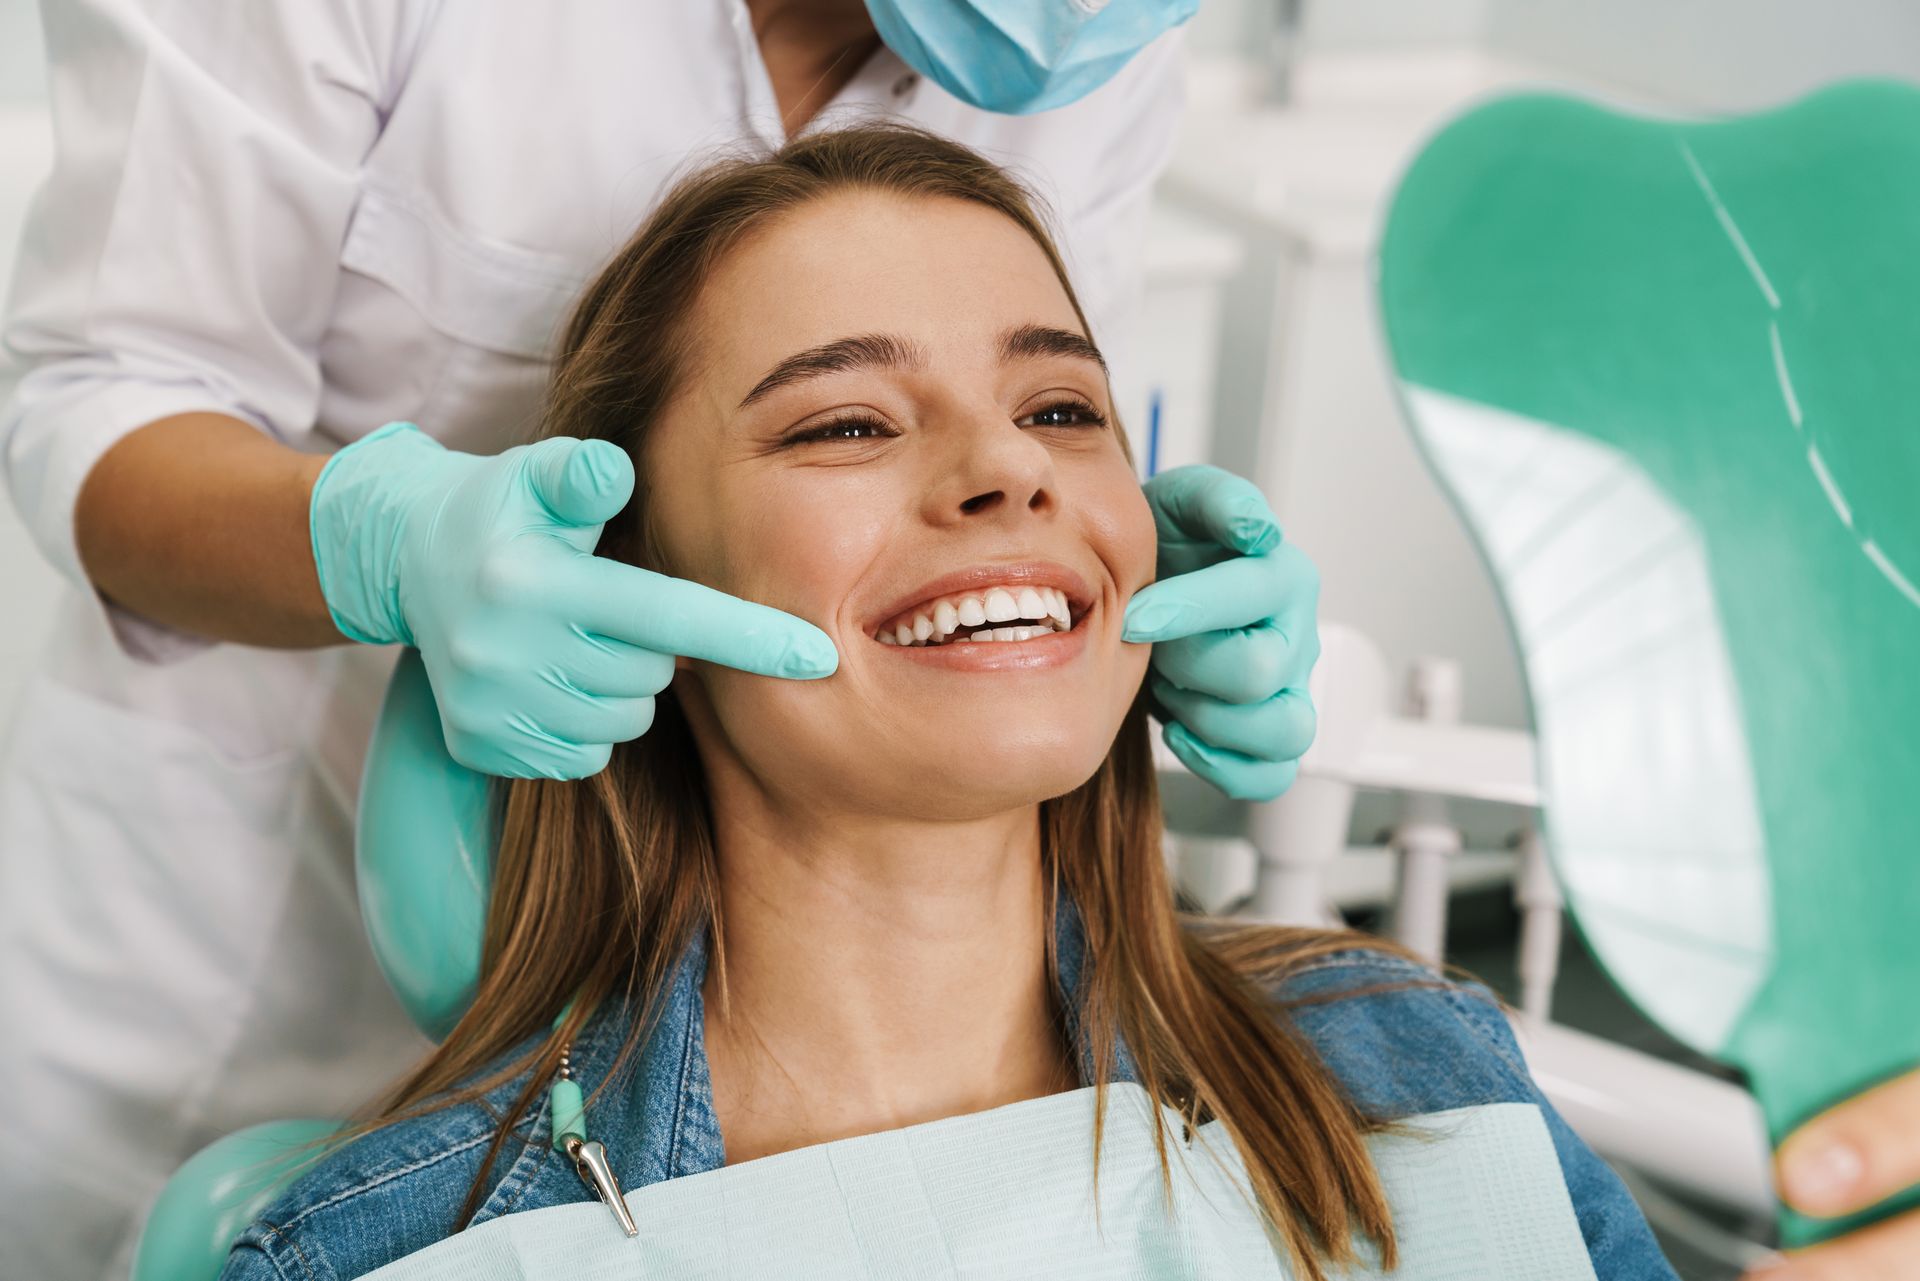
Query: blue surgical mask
[[1017, 56]]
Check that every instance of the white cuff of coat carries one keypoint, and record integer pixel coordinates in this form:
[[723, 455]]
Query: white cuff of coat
[[53, 437]]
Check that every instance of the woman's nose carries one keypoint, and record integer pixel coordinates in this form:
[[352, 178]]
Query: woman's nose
[[996, 470]]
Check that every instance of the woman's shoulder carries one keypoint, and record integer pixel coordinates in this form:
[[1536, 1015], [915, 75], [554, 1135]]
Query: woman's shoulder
[[1402, 1038], [379, 1196], [1405, 1040]]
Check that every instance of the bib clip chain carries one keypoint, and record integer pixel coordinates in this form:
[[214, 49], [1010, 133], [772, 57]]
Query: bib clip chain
[[589, 1156]]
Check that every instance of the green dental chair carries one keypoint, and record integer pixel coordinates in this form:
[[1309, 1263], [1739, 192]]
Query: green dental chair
[[1669, 373], [423, 861]]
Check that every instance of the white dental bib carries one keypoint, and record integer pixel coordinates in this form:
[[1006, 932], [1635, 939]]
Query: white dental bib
[[1477, 1195]]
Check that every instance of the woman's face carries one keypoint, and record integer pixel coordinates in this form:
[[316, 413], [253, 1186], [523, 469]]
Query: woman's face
[[892, 425]]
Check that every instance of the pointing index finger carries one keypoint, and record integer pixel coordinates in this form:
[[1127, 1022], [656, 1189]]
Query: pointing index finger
[[690, 620], [1234, 593]]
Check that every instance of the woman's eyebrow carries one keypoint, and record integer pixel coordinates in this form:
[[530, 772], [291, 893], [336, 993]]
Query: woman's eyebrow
[[862, 351], [1027, 341]]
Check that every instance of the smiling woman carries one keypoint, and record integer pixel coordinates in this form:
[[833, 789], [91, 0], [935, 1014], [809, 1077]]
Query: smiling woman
[[854, 383]]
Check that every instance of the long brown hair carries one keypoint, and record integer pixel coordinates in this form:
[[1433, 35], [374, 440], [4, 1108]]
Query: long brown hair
[[600, 884]]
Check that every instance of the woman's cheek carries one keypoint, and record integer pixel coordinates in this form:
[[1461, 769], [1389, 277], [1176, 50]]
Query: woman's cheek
[[1121, 525], [809, 557]]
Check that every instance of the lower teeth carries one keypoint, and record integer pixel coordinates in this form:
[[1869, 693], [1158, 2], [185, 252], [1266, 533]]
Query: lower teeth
[[1028, 632], [1016, 632]]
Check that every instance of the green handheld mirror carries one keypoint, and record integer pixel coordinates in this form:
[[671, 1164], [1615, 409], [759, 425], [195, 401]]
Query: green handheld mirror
[[1667, 371]]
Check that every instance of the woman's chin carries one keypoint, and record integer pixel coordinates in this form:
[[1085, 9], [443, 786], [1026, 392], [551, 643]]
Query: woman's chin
[[992, 774]]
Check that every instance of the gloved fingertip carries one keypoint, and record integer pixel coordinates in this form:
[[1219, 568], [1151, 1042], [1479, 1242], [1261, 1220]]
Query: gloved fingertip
[[398, 427], [1254, 535], [1150, 619], [1184, 745], [1251, 525], [809, 658], [608, 468], [567, 763], [1263, 784], [582, 482]]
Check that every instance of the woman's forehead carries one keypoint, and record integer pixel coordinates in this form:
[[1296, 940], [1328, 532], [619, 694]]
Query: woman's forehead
[[949, 276]]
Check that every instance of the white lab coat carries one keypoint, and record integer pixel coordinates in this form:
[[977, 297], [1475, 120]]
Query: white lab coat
[[319, 216]]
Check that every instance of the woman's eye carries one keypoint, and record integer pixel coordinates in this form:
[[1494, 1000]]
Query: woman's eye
[[843, 429], [1067, 413]]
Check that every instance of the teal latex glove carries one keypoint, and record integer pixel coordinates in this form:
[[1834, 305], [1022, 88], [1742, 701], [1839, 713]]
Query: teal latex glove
[[1232, 621], [541, 655]]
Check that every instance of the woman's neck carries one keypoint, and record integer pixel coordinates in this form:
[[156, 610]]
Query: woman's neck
[[876, 974]]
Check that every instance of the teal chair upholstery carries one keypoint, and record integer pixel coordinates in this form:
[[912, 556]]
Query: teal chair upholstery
[[423, 847], [1667, 371]]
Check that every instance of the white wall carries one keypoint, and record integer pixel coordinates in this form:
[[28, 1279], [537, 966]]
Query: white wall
[[23, 75], [1723, 55], [1350, 25], [1230, 26], [1354, 493]]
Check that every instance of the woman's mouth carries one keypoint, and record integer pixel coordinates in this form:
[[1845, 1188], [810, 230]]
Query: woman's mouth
[[1009, 612]]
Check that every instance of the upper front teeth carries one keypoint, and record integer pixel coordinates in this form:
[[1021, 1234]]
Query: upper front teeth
[[1039, 611]]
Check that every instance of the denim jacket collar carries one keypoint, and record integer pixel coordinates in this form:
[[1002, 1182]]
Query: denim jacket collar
[[657, 1118]]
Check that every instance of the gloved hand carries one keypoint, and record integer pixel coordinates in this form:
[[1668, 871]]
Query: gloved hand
[[541, 655], [1232, 621]]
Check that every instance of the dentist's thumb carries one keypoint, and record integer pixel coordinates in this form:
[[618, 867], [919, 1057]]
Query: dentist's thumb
[[582, 482]]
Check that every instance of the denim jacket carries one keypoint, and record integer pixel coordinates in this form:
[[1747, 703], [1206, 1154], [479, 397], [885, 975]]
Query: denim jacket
[[1422, 1046]]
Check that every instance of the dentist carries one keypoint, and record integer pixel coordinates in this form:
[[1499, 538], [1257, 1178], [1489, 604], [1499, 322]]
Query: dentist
[[275, 227]]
